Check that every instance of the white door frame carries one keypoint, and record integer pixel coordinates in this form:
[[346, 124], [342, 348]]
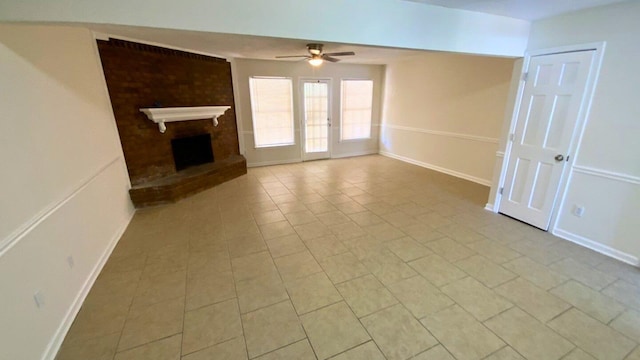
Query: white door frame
[[303, 133], [576, 138]]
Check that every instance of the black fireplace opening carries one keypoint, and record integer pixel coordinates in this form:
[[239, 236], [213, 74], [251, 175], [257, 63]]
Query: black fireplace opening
[[192, 151]]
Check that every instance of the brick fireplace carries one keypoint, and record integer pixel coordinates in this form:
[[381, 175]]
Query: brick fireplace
[[142, 76]]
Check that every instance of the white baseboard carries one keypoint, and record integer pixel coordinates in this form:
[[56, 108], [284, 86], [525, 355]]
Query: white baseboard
[[355, 153], [273, 162], [471, 178], [596, 246], [489, 207], [54, 346], [293, 161]]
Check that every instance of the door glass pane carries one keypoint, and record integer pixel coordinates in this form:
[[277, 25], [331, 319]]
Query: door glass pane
[[316, 117]]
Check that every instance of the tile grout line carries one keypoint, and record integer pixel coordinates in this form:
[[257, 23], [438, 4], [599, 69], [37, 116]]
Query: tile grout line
[[235, 289], [186, 285], [543, 324], [353, 347], [131, 305]]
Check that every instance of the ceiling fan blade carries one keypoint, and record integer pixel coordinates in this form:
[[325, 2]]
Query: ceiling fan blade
[[329, 58], [344, 53], [291, 56]]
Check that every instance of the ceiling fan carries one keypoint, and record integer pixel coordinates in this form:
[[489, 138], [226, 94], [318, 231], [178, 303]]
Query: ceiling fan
[[316, 57]]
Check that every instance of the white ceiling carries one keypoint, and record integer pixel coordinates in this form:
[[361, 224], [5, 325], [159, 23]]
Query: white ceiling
[[245, 46], [520, 9], [267, 48]]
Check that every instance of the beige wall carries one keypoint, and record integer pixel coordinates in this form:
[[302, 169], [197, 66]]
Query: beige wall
[[245, 68], [64, 186], [504, 132], [445, 111]]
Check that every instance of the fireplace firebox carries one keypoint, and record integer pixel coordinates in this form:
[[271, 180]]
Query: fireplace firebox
[[192, 151]]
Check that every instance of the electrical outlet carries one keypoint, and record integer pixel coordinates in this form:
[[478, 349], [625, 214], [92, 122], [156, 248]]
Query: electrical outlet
[[38, 297], [578, 210], [70, 261]]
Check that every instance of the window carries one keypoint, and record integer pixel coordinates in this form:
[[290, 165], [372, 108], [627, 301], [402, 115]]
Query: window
[[357, 97], [272, 111]]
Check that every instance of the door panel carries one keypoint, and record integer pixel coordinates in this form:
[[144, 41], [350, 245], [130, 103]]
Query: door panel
[[547, 118], [315, 97]]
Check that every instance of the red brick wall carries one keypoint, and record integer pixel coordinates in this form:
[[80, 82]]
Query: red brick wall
[[140, 75]]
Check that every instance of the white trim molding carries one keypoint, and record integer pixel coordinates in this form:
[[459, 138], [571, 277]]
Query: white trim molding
[[274, 162], [471, 178], [500, 154], [294, 161], [611, 175], [22, 231], [489, 207], [443, 133], [596, 246], [353, 154]]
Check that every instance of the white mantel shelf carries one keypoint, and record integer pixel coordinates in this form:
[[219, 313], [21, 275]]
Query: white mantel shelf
[[161, 116]]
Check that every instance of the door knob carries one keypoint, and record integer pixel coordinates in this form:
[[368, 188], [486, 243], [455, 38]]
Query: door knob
[[559, 157]]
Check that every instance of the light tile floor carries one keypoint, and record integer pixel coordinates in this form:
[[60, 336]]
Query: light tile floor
[[361, 258]]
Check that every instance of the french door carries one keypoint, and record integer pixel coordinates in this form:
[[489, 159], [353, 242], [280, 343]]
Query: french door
[[553, 98], [315, 117]]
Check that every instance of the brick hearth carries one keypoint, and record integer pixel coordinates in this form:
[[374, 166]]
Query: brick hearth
[[187, 182]]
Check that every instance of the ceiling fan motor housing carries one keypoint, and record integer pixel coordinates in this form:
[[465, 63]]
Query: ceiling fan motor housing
[[314, 49]]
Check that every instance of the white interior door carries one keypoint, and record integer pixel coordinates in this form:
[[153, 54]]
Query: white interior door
[[316, 121], [553, 97]]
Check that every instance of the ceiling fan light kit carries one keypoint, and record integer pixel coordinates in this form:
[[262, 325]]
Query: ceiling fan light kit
[[316, 60], [316, 57]]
